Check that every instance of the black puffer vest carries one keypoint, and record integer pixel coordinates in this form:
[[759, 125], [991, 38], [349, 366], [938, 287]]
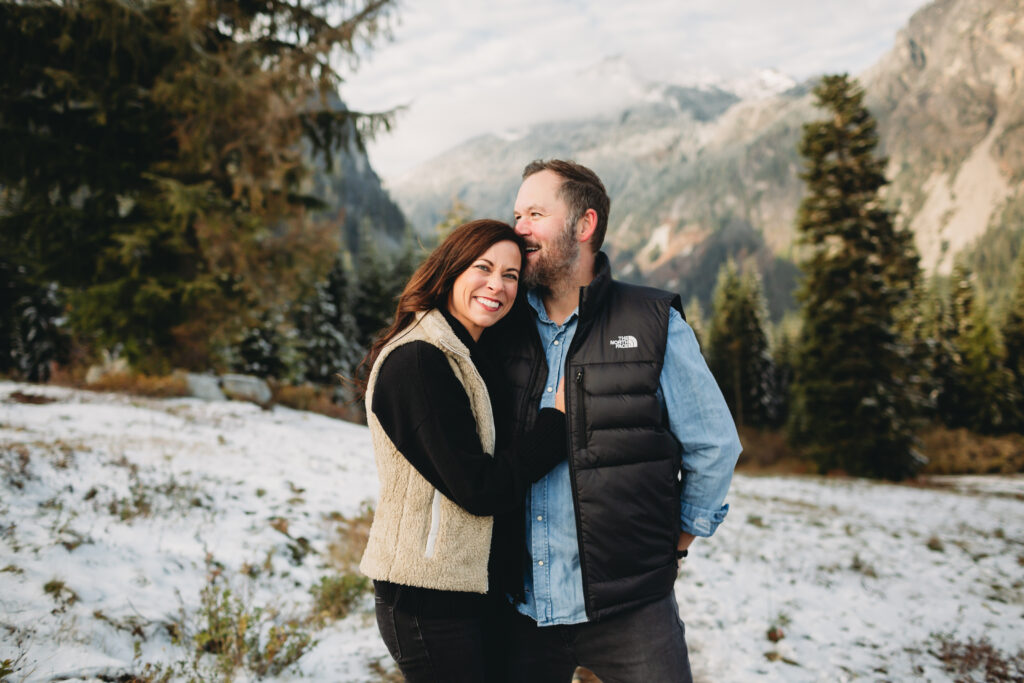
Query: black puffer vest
[[624, 461]]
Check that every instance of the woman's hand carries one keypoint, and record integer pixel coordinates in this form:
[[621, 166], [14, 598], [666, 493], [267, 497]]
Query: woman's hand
[[560, 395]]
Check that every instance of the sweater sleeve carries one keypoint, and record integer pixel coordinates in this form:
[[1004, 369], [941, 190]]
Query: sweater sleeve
[[425, 411]]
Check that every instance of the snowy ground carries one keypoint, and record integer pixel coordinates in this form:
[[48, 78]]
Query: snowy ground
[[132, 503]]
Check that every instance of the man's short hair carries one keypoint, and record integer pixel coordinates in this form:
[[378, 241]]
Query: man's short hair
[[581, 190]]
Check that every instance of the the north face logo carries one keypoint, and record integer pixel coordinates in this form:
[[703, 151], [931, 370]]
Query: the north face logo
[[625, 342]]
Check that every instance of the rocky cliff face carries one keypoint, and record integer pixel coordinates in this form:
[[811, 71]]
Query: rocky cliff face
[[951, 108], [353, 195], [698, 175]]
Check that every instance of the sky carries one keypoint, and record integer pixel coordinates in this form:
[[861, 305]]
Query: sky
[[461, 69]]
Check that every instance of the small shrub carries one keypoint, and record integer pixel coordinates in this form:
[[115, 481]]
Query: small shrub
[[935, 544], [242, 636], [334, 596]]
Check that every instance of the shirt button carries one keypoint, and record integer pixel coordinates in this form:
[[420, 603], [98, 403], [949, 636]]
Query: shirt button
[[555, 342], [540, 518], [540, 563], [549, 390]]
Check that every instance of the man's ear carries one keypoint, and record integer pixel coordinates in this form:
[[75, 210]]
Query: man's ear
[[586, 226]]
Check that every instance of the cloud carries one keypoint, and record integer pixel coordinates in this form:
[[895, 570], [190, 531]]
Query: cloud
[[469, 68]]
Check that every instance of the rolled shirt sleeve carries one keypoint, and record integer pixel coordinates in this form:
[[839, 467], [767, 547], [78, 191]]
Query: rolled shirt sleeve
[[700, 419]]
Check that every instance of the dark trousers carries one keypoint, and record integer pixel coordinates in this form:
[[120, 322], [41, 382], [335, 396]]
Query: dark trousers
[[646, 645], [431, 646]]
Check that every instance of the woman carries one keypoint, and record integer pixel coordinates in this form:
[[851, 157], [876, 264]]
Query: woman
[[431, 402]]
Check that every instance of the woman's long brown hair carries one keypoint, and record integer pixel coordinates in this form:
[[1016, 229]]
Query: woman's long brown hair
[[431, 284]]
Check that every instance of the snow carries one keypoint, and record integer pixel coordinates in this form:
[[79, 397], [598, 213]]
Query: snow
[[862, 577]]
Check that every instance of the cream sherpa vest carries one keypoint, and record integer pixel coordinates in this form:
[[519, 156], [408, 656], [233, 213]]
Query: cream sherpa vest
[[419, 537]]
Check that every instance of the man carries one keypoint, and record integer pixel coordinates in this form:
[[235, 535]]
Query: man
[[652, 447]]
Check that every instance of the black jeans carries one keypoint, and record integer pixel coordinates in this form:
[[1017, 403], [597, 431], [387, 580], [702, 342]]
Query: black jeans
[[431, 646], [646, 645]]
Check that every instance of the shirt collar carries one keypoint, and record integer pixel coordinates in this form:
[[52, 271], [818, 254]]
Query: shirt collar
[[537, 304]]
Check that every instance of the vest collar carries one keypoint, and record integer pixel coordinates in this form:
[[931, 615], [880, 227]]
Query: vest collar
[[594, 295], [437, 327]]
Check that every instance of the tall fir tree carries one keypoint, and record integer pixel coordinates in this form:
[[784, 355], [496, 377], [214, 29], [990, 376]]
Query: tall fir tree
[[154, 158], [738, 353], [851, 406]]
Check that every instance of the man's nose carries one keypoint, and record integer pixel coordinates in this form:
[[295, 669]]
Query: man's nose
[[522, 227]]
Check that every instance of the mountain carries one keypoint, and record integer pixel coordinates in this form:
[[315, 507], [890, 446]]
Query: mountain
[[352, 193], [950, 104], [703, 173]]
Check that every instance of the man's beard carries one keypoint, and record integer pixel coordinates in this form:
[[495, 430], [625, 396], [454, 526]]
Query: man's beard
[[555, 262]]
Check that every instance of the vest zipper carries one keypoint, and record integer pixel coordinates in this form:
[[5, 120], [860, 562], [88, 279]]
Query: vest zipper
[[582, 330], [581, 416]]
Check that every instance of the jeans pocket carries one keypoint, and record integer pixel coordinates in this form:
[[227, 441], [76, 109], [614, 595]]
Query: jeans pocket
[[388, 627]]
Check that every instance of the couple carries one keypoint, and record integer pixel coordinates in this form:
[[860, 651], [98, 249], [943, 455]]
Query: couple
[[545, 460]]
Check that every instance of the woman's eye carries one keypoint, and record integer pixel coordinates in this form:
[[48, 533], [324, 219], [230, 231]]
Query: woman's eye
[[483, 267], [512, 276]]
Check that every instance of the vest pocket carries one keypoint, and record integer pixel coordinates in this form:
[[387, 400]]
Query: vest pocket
[[435, 524]]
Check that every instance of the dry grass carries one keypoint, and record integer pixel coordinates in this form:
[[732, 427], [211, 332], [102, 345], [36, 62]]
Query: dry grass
[[979, 660], [142, 385], [346, 549], [31, 399], [958, 451], [767, 452], [317, 399]]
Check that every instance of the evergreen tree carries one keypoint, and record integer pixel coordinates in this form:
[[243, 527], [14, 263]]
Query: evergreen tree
[[1013, 338], [738, 353], [851, 406], [328, 332], [262, 350], [978, 393], [153, 159]]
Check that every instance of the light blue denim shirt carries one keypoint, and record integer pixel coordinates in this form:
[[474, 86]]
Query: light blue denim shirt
[[699, 419]]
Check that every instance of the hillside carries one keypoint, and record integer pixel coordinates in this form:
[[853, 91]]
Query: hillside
[[698, 175], [125, 520]]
